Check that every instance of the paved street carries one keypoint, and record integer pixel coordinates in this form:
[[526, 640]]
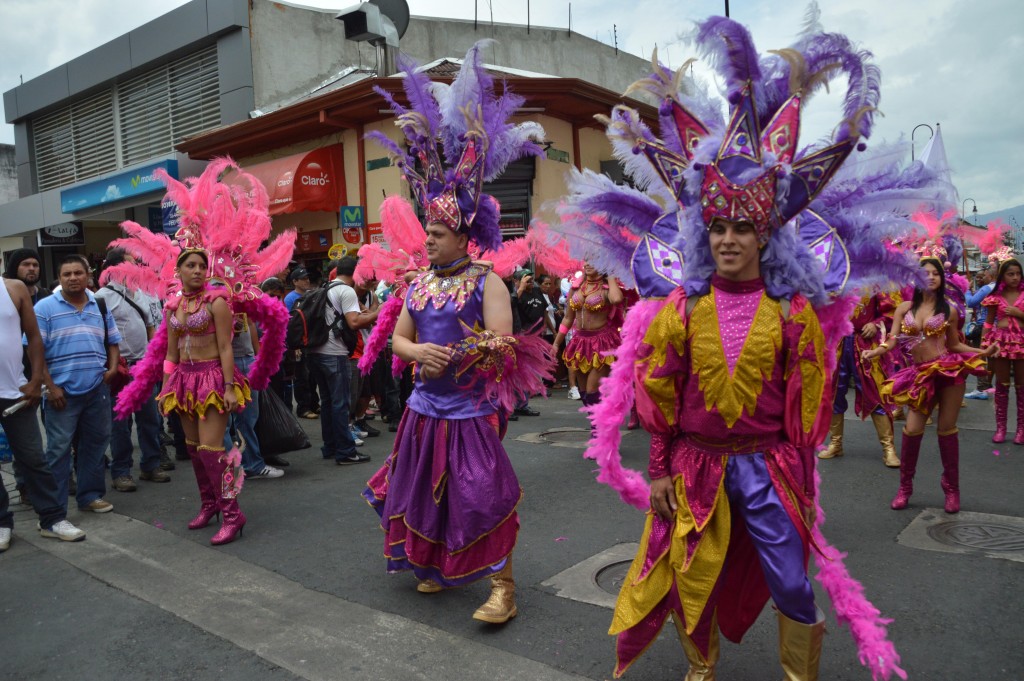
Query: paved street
[[304, 595]]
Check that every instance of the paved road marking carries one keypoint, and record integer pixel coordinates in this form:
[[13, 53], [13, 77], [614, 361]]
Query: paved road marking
[[312, 634]]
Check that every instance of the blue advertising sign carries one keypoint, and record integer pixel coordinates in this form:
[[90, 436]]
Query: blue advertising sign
[[170, 219], [352, 216], [116, 187]]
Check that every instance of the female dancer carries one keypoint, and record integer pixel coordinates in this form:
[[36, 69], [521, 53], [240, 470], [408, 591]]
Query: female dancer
[[200, 384], [1003, 328], [592, 311], [941, 363]]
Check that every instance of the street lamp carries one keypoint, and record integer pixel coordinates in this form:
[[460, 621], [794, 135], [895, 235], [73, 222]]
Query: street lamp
[[963, 210], [920, 125]]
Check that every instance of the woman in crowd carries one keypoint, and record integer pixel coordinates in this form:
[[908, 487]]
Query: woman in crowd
[[201, 385], [936, 376], [1003, 327], [593, 313]]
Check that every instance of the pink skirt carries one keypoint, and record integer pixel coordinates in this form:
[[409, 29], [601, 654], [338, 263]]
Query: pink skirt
[[586, 351], [194, 387], [1011, 342], [917, 385]]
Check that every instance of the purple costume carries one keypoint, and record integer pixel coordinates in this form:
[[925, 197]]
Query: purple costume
[[447, 494]]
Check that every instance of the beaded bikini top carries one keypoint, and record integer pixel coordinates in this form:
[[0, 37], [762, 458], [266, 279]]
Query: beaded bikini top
[[593, 301], [196, 331], [911, 335]]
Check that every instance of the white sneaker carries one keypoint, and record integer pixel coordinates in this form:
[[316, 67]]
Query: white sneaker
[[64, 531], [357, 431], [5, 538], [267, 472], [574, 393]]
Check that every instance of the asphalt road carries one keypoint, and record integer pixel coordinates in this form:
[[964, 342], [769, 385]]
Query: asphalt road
[[304, 594]]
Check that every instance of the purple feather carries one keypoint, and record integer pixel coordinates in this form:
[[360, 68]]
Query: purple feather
[[729, 49], [418, 89]]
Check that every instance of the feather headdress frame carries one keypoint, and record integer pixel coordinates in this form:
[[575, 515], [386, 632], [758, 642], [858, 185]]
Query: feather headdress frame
[[459, 137]]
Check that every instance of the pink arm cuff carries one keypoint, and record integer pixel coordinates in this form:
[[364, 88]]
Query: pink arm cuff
[[661, 456]]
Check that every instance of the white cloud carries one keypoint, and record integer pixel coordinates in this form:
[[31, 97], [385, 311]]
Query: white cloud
[[948, 61]]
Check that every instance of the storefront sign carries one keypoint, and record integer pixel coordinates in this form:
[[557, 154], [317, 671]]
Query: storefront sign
[[313, 242], [64, 234], [374, 233], [310, 181], [352, 216], [118, 187]]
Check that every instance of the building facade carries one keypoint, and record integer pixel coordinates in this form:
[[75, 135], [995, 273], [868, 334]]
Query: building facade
[[281, 90]]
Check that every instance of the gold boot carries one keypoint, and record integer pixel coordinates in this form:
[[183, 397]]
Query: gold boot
[[428, 586], [835, 444], [883, 426], [701, 668], [800, 647], [501, 605]]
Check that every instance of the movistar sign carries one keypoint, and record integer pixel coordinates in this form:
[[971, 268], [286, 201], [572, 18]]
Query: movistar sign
[[118, 187], [352, 216]]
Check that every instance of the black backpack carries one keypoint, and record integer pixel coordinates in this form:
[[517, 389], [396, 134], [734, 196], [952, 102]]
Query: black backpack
[[307, 325]]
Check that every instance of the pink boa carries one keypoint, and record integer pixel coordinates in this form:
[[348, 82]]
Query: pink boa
[[834, 319], [616, 400], [145, 374], [398, 365], [851, 607], [387, 319], [272, 316]]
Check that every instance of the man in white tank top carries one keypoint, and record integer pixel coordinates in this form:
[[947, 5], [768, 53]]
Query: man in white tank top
[[22, 427]]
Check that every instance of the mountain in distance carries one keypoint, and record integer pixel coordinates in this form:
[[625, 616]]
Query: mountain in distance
[[1017, 212]]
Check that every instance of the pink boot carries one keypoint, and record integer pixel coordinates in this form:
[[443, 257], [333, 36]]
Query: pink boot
[[232, 518], [1018, 439], [909, 451], [1002, 402], [949, 452], [207, 493]]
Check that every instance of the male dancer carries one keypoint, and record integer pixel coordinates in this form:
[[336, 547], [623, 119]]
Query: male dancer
[[447, 494]]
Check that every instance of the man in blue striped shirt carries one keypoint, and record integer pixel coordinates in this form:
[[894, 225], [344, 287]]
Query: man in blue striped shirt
[[81, 358]]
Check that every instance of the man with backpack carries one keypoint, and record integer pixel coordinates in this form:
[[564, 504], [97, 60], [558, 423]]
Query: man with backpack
[[334, 309], [307, 402]]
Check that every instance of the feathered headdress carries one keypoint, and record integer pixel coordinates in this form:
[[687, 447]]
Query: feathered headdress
[[229, 222], [459, 137]]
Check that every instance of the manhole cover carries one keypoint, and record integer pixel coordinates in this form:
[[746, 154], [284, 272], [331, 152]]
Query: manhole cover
[[977, 535], [575, 436], [611, 577]]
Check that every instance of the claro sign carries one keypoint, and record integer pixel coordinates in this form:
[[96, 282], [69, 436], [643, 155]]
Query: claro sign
[[312, 181]]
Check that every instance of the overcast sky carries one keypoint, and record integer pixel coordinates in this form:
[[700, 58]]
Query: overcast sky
[[956, 62]]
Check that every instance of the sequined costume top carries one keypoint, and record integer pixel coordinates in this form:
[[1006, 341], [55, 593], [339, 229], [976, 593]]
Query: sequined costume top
[[593, 301], [197, 330], [440, 302], [877, 310]]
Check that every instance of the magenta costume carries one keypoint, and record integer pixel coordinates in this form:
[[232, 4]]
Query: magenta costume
[[1011, 337], [447, 494]]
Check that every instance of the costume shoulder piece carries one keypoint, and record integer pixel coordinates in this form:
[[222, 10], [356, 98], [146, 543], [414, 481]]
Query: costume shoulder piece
[[438, 287]]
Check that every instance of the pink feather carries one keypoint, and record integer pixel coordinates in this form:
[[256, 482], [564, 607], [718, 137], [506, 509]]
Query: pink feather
[[834, 319], [402, 229], [387, 319], [851, 606], [274, 258], [522, 373], [272, 316], [991, 239], [145, 374], [551, 251], [398, 365], [616, 400], [509, 257]]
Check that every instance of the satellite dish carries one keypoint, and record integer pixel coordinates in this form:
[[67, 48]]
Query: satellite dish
[[395, 10]]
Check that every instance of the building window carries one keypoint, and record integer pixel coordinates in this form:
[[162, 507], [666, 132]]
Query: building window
[[128, 123]]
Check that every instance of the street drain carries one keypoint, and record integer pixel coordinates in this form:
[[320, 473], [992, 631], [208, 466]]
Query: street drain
[[611, 577], [577, 436], [971, 533], [979, 535]]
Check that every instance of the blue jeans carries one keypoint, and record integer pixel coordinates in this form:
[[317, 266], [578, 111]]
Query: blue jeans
[[89, 413], [147, 426], [331, 373], [22, 429], [245, 424]]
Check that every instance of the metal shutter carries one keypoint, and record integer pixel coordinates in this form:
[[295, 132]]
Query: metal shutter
[[75, 142]]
